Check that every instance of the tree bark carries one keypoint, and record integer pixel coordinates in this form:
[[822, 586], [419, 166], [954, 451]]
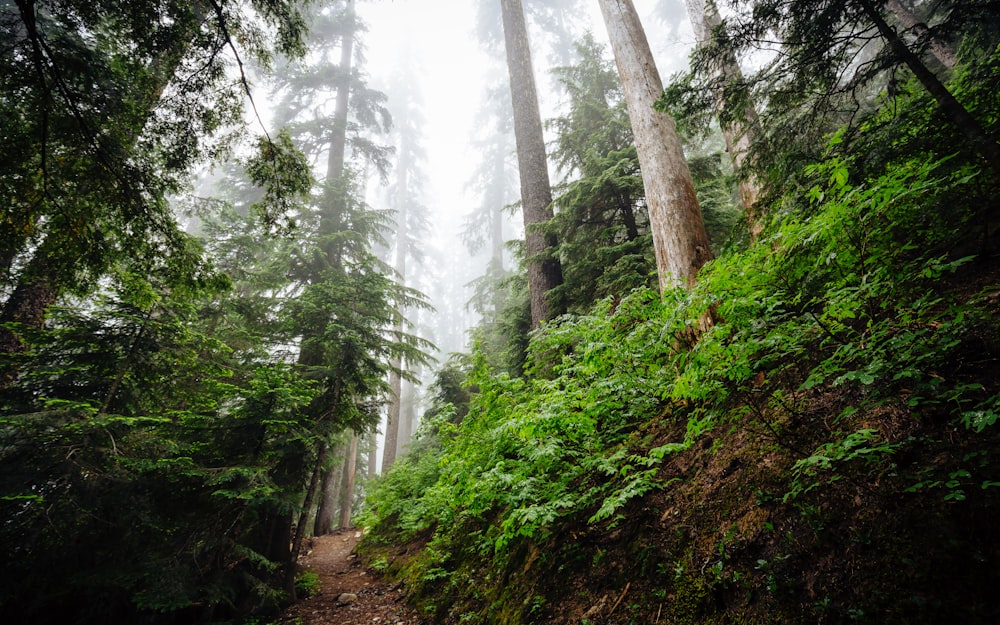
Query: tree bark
[[941, 50], [371, 454], [347, 492], [392, 416], [407, 413], [743, 131], [300, 527], [392, 424], [497, 199], [544, 269], [329, 494], [336, 201], [679, 236], [27, 306]]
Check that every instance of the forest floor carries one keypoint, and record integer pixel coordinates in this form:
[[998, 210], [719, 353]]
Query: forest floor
[[348, 593]]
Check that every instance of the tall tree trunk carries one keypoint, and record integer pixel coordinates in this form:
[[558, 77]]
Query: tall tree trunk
[[951, 107], [679, 236], [408, 413], [300, 527], [405, 427], [392, 416], [544, 269], [497, 199], [371, 454], [941, 50], [336, 200], [347, 492], [329, 493], [396, 365], [741, 130]]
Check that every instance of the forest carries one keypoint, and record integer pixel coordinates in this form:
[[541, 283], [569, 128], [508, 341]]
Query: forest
[[705, 337]]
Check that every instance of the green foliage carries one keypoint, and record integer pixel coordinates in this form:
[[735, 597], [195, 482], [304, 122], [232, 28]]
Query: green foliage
[[603, 231], [135, 440], [283, 171], [307, 584], [155, 438], [846, 293]]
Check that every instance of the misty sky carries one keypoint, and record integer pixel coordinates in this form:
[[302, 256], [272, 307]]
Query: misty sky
[[438, 38]]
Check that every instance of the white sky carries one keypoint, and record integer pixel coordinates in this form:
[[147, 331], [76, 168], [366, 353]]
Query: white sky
[[440, 36]]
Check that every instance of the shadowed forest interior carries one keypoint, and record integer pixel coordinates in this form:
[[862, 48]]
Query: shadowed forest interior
[[581, 312]]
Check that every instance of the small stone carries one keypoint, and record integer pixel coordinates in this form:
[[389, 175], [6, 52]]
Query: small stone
[[346, 597]]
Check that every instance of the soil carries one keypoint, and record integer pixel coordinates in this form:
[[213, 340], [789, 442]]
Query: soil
[[340, 571]]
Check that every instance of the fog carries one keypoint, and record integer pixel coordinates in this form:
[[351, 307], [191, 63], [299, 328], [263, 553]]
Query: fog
[[438, 45], [438, 40]]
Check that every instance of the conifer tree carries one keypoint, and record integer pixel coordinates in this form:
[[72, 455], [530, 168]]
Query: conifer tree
[[544, 271], [679, 236]]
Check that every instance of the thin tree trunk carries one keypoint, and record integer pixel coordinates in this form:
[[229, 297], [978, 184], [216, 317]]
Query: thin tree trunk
[[679, 236], [336, 203], [392, 426], [951, 107], [329, 494], [300, 527], [544, 269], [497, 200], [350, 473], [27, 306], [408, 413], [941, 50], [392, 416], [371, 454], [743, 130]]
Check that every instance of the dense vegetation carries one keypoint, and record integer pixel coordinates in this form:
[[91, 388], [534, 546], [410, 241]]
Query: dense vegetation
[[805, 436], [192, 373]]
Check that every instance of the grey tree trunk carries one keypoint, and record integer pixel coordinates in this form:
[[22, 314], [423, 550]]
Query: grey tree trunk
[[496, 200], [941, 50], [347, 492], [371, 454], [300, 526], [329, 494], [392, 416], [407, 414], [679, 237], [335, 189], [741, 130], [544, 269], [397, 364], [329, 221]]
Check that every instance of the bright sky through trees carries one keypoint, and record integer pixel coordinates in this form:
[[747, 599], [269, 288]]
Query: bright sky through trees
[[441, 36]]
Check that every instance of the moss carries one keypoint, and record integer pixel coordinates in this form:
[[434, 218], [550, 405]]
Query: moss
[[689, 601]]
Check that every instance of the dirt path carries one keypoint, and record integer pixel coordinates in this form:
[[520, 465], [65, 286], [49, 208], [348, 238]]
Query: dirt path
[[349, 594]]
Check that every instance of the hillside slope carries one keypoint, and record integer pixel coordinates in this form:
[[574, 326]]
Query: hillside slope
[[808, 436]]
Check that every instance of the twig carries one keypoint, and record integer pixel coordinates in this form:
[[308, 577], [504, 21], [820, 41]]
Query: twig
[[239, 62], [620, 597]]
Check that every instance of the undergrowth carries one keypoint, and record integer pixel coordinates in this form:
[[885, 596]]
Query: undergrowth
[[854, 297]]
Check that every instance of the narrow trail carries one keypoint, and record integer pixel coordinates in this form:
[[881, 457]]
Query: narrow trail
[[349, 593]]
